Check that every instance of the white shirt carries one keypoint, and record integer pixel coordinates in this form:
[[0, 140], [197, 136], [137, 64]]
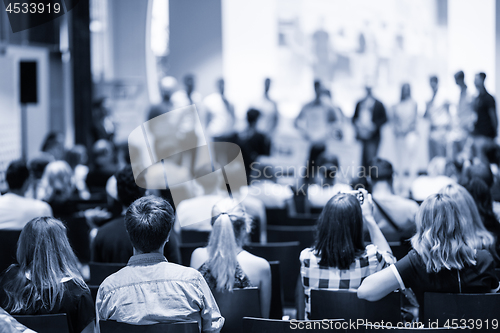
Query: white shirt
[[16, 211]]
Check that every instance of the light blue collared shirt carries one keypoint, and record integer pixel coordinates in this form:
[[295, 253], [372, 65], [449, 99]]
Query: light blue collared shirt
[[150, 290]]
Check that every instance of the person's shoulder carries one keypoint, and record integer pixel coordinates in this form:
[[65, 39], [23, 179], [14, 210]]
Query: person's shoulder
[[306, 253], [258, 263]]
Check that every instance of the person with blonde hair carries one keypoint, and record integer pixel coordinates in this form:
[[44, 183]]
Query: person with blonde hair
[[475, 232], [441, 260], [46, 279], [224, 264]]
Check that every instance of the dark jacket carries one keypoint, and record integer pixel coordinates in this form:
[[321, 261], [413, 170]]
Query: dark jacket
[[379, 117]]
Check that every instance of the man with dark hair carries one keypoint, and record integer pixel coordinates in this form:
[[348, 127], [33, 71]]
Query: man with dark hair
[[485, 128], [252, 142], [149, 289], [112, 244], [394, 214], [15, 209]]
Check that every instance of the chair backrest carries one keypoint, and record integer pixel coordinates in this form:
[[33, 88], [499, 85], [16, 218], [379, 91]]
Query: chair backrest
[[78, 232], [194, 236], [238, 304], [302, 220], [285, 233], [50, 323], [444, 306], [497, 272], [287, 253], [276, 216], [93, 291], [100, 271], [8, 247], [261, 325], [180, 327], [187, 250], [347, 305], [276, 291], [409, 329]]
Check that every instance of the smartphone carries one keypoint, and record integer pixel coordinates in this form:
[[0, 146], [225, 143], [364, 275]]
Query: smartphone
[[358, 194]]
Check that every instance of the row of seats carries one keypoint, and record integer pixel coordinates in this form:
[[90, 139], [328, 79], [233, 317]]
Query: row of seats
[[476, 310]]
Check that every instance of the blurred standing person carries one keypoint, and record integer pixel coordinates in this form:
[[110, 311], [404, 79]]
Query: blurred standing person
[[405, 126], [187, 96], [168, 85], [219, 114], [368, 118], [54, 145], [438, 113], [485, 128], [463, 122], [268, 108], [316, 118]]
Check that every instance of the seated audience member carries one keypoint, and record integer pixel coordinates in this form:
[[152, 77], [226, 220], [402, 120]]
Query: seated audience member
[[435, 180], [77, 159], [263, 186], [58, 190], [441, 259], [103, 167], [492, 153], [54, 145], [339, 253], [483, 172], [196, 213], [149, 289], [252, 142], [394, 214], [15, 209], [224, 264], [482, 197], [46, 279], [36, 167], [477, 235], [9, 324], [324, 185], [112, 243]]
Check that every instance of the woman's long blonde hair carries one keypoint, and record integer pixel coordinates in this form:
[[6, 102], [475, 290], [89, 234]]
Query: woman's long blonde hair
[[45, 257], [476, 234], [441, 239], [230, 225], [57, 182]]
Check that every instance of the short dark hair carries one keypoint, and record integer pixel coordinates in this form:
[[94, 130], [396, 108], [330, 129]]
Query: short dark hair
[[148, 221], [460, 75], [383, 170], [339, 236], [252, 116], [434, 78], [127, 189], [481, 171], [482, 75], [17, 174]]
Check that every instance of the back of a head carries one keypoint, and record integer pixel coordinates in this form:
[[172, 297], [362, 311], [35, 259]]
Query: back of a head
[[45, 255], [252, 116], [481, 171], [127, 189], [230, 225], [436, 167], [17, 174], [440, 240], [102, 148], [38, 164], [76, 155], [380, 170], [475, 232], [482, 196], [148, 221], [57, 181], [459, 76], [339, 237]]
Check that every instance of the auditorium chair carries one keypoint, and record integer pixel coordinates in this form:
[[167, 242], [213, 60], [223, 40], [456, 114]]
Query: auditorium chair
[[187, 250], [194, 236], [49, 323], [8, 248], [261, 325], [237, 304], [78, 233], [346, 305], [284, 233], [276, 216], [276, 291], [180, 327], [287, 253], [302, 220], [100, 271], [446, 306]]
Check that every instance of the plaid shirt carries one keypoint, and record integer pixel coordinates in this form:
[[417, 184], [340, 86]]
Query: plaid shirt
[[314, 276]]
